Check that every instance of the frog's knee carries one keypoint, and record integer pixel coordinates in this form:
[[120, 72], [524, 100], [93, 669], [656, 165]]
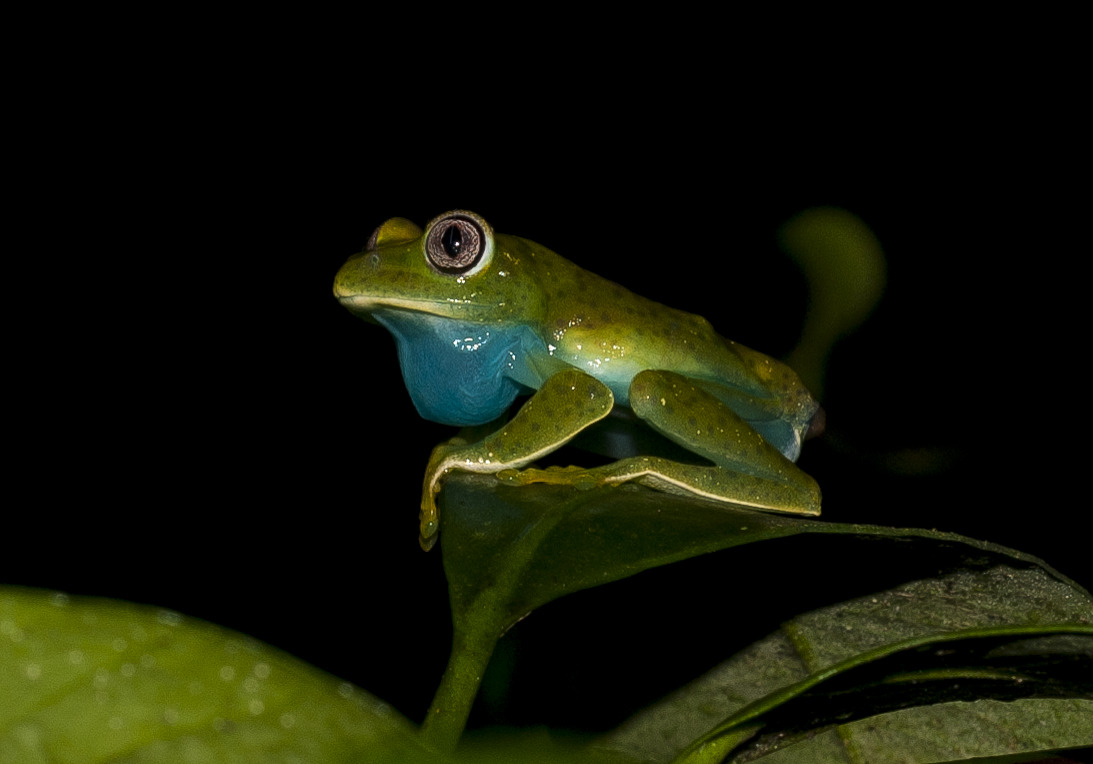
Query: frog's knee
[[644, 384], [654, 391]]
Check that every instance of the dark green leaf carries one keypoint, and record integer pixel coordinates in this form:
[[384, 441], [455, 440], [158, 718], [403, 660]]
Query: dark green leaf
[[841, 658], [523, 547], [997, 664]]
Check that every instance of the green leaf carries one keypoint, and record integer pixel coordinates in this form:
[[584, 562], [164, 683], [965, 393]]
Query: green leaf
[[993, 664], [510, 550], [539, 542], [925, 643], [91, 680]]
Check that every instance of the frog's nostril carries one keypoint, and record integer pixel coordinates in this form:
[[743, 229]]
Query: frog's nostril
[[816, 426]]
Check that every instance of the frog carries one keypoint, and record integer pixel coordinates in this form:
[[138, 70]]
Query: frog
[[481, 318]]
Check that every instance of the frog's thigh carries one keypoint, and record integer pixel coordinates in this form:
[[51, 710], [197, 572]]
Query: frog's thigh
[[567, 403], [747, 470]]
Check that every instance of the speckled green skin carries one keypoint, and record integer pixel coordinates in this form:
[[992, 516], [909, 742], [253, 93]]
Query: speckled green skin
[[586, 344]]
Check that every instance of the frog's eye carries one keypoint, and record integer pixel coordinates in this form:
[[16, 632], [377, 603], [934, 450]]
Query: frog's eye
[[456, 243]]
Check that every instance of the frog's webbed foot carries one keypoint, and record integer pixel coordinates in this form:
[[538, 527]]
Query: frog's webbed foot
[[578, 477], [566, 403]]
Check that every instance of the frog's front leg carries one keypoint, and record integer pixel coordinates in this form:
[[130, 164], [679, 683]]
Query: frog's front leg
[[566, 403]]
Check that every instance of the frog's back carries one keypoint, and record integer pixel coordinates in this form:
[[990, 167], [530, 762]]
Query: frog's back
[[605, 329], [612, 333]]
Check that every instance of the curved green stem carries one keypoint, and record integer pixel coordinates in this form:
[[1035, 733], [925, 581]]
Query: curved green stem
[[479, 621], [454, 697]]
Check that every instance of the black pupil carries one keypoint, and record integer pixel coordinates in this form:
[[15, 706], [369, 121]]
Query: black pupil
[[452, 239]]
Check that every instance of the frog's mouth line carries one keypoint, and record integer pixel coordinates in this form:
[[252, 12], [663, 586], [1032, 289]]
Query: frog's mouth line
[[365, 304]]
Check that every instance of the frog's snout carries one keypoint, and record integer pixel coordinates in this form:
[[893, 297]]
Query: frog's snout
[[816, 426]]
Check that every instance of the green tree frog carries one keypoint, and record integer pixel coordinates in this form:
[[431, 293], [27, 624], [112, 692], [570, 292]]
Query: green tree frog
[[480, 317]]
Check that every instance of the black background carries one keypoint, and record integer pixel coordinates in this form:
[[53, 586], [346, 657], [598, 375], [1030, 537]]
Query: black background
[[197, 424]]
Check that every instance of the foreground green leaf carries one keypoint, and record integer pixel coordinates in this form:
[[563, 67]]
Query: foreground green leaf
[[89, 680]]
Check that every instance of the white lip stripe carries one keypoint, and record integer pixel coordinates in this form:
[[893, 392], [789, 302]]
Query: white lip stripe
[[432, 307]]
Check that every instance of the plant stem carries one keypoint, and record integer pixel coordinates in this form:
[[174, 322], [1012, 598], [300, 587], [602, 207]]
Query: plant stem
[[458, 687], [477, 627]]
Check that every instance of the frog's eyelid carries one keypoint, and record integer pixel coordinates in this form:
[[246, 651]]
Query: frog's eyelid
[[371, 243]]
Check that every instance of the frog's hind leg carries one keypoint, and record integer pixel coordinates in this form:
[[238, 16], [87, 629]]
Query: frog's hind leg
[[745, 470], [567, 403]]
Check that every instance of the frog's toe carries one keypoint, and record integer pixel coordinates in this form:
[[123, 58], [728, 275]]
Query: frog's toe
[[430, 522], [428, 543], [429, 525], [510, 475], [428, 532]]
